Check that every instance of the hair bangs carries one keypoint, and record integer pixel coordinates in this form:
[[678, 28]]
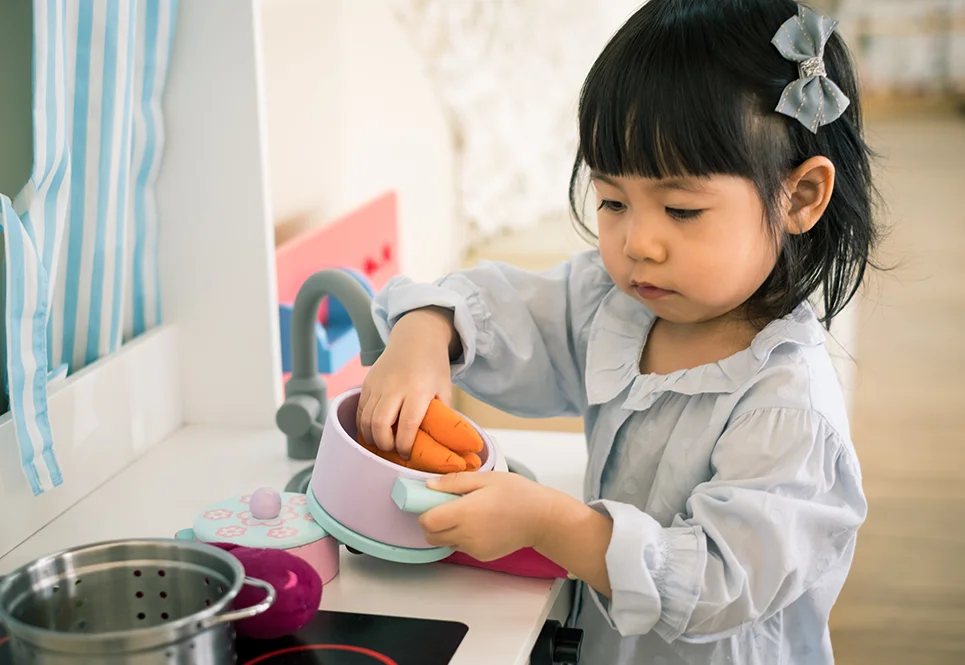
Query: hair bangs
[[649, 110]]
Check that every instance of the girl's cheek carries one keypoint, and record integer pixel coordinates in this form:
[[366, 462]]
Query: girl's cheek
[[611, 242]]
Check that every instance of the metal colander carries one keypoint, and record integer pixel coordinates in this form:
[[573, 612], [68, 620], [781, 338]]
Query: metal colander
[[142, 602]]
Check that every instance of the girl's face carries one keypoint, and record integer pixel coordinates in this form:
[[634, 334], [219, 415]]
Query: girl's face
[[691, 249]]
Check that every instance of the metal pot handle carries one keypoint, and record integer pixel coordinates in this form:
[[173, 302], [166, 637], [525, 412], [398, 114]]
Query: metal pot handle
[[247, 612]]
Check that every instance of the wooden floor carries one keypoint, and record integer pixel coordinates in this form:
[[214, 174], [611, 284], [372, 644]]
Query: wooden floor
[[904, 603]]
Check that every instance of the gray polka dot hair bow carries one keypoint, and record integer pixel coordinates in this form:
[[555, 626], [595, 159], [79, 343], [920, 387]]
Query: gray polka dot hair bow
[[813, 99]]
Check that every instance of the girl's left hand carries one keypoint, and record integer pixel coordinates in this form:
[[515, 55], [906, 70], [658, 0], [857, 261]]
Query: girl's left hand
[[499, 514]]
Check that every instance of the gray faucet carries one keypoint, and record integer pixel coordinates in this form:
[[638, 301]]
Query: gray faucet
[[303, 414]]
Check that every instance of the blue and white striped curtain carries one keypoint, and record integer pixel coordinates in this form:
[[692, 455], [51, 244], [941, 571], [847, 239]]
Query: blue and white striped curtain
[[81, 236]]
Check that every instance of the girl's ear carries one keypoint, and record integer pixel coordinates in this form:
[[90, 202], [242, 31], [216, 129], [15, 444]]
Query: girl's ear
[[809, 189]]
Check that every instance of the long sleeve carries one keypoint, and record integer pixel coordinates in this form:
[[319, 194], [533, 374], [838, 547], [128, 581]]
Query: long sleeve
[[780, 513], [522, 333]]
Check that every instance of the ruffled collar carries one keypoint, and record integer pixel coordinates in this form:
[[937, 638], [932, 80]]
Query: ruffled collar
[[619, 331]]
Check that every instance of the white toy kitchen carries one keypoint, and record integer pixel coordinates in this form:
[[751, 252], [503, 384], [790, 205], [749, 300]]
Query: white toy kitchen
[[190, 412]]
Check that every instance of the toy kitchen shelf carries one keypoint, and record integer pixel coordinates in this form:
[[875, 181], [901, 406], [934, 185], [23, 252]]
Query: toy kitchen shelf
[[216, 361]]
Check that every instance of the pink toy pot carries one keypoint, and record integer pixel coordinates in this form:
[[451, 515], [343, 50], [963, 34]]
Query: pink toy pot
[[355, 487]]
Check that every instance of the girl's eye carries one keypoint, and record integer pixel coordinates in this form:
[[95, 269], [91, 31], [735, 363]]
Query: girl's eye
[[680, 214], [612, 206]]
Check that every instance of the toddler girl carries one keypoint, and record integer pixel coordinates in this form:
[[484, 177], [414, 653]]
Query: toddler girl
[[723, 140]]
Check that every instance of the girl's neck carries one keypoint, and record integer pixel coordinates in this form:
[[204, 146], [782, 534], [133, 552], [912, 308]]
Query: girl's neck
[[673, 346]]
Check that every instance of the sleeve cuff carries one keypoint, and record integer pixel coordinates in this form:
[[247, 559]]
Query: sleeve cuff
[[470, 314], [655, 573]]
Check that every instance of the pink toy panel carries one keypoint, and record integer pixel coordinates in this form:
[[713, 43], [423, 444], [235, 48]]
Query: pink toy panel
[[364, 240]]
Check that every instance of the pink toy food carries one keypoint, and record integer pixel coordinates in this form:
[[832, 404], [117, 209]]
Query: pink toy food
[[297, 585], [523, 563]]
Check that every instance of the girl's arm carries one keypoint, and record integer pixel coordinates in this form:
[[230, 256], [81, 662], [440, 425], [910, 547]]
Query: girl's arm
[[519, 335], [777, 520], [583, 556]]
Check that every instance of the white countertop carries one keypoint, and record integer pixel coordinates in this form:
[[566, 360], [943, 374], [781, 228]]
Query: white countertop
[[198, 466]]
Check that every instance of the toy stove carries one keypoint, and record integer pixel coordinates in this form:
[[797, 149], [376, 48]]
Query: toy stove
[[338, 638]]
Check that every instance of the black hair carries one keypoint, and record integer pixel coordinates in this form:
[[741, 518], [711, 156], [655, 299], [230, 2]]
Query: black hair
[[689, 88]]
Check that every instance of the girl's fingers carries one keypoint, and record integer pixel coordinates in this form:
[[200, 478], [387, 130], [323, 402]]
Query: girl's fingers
[[448, 538], [390, 456], [410, 417], [365, 397], [365, 419], [445, 395], [384, 416], [460, 483], [436, 521]]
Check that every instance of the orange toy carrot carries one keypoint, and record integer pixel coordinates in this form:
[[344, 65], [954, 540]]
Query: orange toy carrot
[[451, 429], [391, 456], [473, 462], [431, 456], [427, 455]]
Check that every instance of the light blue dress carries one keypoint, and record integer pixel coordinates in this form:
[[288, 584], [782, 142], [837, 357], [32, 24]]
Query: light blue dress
[[734, 488]]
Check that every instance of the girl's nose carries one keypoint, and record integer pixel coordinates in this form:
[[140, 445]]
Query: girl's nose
[[643, 242]]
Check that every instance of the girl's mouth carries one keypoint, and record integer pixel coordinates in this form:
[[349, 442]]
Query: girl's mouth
[[651, 292]]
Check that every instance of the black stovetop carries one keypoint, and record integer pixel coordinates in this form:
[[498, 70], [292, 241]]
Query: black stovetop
[[338, 638]]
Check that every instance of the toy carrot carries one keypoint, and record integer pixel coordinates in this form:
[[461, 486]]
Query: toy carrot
[[391, 456], [473, 462], [431, 456], [427, 455], [451, 429]]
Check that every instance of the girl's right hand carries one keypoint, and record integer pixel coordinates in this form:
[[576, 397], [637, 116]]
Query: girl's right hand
[[413, 369]]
